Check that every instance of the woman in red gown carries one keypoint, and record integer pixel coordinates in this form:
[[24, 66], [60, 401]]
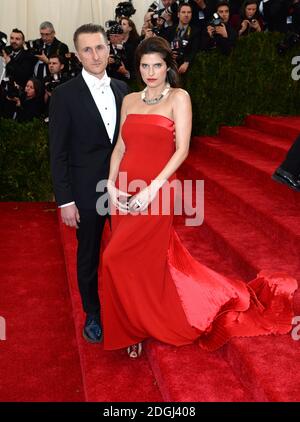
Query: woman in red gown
[[152, 286]]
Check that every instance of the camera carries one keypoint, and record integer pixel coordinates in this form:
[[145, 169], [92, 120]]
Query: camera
[[10, 89], [178, 46], [73, 65], [216, 20], [153, 6], [154, 21], [124, 8], [3, 44], [54, 82], [35, 47]]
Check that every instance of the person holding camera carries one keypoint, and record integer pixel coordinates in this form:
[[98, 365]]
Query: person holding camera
[[275, 13], [184, 38], [219, 33], [47, 45], [117, 63], [201, 12], [57, 77], [29, 105], [19, 64], [249, 20], [131, 40]]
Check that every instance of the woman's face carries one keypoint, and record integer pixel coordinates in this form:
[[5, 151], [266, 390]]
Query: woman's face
[[153, 70], [125, 26], [29, 89], [250, 10]]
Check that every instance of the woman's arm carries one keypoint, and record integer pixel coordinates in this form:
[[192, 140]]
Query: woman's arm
[[115, 162], [182, 116]]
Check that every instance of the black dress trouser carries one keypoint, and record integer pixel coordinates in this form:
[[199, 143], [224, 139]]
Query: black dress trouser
[[89, 236]]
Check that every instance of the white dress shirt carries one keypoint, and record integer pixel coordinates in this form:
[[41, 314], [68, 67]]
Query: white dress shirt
[[105, 101]]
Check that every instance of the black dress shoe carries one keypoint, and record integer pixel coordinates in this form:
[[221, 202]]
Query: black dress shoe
[[92, 331], [286, 178]]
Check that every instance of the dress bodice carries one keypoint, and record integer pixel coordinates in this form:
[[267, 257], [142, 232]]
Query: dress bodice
[[149, 143]]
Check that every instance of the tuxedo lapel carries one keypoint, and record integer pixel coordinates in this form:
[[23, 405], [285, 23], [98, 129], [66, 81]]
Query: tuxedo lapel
[[118, 98]]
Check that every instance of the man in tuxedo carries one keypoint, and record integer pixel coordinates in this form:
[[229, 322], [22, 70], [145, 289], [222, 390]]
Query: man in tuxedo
[[49, 45], [84, 122], [19, 63]]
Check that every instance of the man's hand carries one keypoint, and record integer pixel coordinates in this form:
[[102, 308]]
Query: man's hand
[[184, 67], [6, 57], [244, 26], [221, 30], [70, 216], [255, 25], [43, 58], [211, 30]]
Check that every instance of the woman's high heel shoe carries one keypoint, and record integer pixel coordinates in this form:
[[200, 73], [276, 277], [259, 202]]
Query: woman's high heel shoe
[[135, 350]]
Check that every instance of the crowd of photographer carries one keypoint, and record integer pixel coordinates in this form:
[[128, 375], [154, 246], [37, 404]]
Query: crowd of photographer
[[31, 70]]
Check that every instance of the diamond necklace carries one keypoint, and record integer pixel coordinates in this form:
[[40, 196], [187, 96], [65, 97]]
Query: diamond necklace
[[156, 99]]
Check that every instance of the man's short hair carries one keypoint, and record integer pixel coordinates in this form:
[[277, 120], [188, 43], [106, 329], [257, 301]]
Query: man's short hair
[[181, 5], [18, 31], [89, 28], [47, 25], [60, 58], [222, 3]]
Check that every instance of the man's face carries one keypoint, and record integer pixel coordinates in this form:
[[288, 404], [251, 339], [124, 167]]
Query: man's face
[[185, 15], [16, 41], [93, 53], [47, 35], [116, 38], [55, 66], [223, 12]]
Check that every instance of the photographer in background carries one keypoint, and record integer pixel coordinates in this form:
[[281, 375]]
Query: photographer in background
[[292, 27], [118, 66], [56, 77], [45, 47], [249, 20], [275, 14], [219, 33], [201, 13], [29, 105], [184, 38], [131, 40], [19, 63]]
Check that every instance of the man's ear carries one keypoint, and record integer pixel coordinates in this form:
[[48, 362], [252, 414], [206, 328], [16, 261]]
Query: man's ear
[[76, 54]]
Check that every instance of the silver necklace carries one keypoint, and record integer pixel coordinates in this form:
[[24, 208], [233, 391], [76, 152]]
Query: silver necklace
[[156, 99]]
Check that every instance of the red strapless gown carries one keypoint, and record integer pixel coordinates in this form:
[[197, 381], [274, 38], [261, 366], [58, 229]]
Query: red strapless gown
[[153, 287]]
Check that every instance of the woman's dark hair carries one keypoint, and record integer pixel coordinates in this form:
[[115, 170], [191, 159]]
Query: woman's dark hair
[[160, 46], [37, 85], [133, 34]]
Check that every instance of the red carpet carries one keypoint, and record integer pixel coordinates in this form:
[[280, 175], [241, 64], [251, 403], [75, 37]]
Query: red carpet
[[251, 223], [39, 358]]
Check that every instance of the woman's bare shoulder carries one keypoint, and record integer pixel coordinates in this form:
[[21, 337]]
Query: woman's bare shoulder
[[180, 94], [133, 96]]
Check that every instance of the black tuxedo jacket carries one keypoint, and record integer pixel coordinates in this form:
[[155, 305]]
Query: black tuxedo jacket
[[21, 67], [80, 148]]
